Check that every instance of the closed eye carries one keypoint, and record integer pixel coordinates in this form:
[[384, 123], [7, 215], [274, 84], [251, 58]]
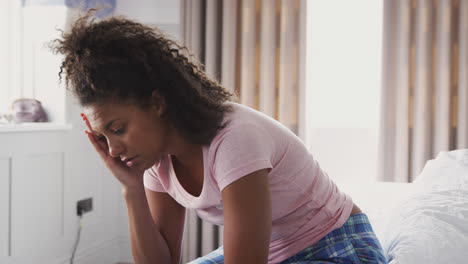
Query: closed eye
[[118, 131]]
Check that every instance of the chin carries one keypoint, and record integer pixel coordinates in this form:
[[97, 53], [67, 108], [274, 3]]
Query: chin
[[145, 166], [150, 163]]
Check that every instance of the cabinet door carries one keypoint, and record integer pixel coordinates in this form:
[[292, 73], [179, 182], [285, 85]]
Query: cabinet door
[[37, 205], [5, 176]]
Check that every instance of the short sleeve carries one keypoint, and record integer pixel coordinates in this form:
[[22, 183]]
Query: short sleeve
[[151, 181], [242, 150]]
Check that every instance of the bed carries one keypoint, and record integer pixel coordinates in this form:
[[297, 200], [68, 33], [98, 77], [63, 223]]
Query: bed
[[421, 222]]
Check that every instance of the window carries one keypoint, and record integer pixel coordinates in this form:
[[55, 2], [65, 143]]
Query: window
[[28, 69], [9, 55], [344, 40]]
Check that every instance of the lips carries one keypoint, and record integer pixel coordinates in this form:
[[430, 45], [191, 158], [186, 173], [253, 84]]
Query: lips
[[130, 162], [129, 159]]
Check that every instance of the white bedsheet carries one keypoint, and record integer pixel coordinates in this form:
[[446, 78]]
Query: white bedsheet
[[430, 228], [425, 221]]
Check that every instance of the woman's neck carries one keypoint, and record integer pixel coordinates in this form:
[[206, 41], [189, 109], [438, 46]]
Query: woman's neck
[[187, 154]]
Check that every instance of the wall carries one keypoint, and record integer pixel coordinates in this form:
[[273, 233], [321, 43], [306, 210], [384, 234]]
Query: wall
[[28, 68], [44, 173], [164, 14], [40, 67]]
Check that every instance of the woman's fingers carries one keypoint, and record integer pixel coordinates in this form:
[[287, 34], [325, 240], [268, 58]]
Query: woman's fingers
[[85, 119], [100, 143], [123, 173], [101, 150], [101, 147]]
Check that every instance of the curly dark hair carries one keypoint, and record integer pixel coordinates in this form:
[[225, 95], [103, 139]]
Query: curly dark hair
[[120, 59]]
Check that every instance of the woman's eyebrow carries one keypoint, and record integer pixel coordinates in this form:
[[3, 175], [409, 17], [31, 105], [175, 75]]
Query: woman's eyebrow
[[108, 125]]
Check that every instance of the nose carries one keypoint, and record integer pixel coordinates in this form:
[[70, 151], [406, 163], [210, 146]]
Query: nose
[[115, 148]]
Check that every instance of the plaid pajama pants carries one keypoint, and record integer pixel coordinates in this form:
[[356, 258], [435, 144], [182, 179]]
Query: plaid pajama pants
[[354, 242]]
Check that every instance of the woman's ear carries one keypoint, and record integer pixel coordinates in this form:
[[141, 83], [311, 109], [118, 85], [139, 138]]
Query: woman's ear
[[159, 104]]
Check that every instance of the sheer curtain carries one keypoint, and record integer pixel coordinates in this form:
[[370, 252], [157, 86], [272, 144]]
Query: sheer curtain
[[253, 48], [425, 84]]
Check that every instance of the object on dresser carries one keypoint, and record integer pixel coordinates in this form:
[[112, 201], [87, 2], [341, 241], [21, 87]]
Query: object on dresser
[[28, 110]]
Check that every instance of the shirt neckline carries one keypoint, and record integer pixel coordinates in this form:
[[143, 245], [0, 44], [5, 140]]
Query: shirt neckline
[[180, 189]]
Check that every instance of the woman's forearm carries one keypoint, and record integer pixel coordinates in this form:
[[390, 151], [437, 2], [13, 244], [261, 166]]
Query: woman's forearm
[[147, 243]]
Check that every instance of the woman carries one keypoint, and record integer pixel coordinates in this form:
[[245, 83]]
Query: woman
[[175, 139]]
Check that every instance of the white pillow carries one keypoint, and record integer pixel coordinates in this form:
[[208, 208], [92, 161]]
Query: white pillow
[[449, 170], [431, 225]]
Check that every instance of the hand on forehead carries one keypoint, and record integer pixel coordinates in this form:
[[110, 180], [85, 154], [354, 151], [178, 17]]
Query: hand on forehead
[[99, 115], [92, 116], [102, 117], [97, 118]]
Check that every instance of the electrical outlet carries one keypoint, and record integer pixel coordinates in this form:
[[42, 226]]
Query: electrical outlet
[[84, 206]]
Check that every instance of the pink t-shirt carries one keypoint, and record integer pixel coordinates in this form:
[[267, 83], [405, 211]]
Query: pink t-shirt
[[306, 204]]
